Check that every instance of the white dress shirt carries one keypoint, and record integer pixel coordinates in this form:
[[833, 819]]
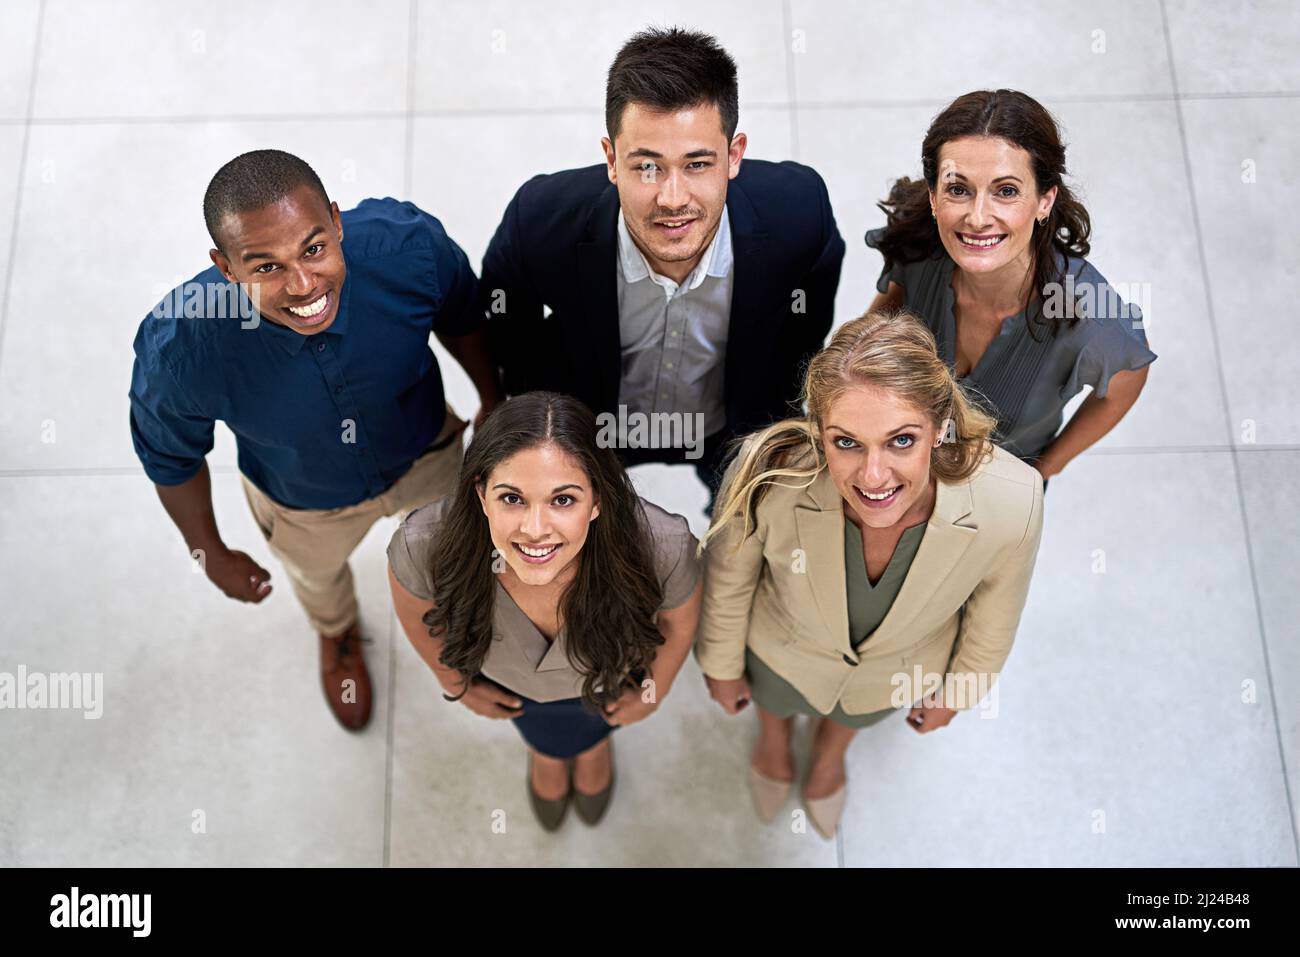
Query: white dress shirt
[[674, 337]]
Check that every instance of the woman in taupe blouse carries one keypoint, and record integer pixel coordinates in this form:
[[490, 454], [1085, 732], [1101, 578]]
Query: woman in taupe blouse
[[546, 591]]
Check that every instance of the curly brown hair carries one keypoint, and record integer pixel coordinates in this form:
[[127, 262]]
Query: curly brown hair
[[911, 234]]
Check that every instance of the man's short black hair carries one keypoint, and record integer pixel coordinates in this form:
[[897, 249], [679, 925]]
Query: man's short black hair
[[252, 181], [672, 70]]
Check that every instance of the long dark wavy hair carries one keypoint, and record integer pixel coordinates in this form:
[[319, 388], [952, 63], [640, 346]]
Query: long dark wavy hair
[[608, 607], [911, 233]]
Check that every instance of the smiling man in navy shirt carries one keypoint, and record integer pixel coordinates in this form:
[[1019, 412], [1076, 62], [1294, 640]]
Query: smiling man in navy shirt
[[309, 338]]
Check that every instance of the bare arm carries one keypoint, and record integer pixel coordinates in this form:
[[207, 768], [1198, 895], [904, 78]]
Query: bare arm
[[189, 505], [482, 698], [888, 301], [475, 357], [677, 625], [1093, 419]]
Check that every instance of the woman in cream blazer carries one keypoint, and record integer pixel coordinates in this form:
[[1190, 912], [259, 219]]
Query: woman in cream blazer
[[873, 556]]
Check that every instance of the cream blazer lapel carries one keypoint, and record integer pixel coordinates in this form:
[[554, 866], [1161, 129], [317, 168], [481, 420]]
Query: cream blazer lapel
[[819, 530], [819, 523]]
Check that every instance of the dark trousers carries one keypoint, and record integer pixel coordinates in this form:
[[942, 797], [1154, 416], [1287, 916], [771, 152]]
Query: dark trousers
[[708, 466]]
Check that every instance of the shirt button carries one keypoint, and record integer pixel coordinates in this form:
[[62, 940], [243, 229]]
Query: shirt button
[[338, 389], [674, 333], [670, 365], [850, 661], [320, 347]]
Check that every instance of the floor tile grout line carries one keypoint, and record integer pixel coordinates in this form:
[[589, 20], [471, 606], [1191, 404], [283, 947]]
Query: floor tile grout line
[[504, 112], [1227, 413], [1073, 98], [1185, 449], [412, 29], [22, 175], [412, 25], [791, 87], [391, 709], [524, 111]]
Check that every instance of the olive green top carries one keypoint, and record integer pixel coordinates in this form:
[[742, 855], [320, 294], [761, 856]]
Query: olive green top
[[868, 606]]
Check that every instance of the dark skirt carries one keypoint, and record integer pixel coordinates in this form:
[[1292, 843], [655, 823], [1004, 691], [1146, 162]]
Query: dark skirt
[[560, 729], [778, 697]]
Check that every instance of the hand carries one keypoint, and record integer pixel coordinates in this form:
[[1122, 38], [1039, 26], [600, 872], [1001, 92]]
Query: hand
[[733, 694], [630, 708], [237, 575], [487, 699], [930, 715]]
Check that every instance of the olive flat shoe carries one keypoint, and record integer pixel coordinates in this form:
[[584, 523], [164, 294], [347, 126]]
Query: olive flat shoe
[[549, 813], [591, 807]]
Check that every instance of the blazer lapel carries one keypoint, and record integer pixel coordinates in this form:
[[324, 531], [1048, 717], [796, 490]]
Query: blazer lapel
[[819, 523], [753, 326], [593, 329], [821, 539], [948, 534]]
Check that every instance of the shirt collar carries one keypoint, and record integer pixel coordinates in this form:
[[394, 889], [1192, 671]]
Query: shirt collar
[[292, 341], [716, 260]]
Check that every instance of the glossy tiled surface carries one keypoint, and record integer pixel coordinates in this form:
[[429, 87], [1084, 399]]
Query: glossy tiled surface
[[1147, 715]]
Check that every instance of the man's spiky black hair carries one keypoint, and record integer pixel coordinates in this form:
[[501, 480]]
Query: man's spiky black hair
[[254, 180]]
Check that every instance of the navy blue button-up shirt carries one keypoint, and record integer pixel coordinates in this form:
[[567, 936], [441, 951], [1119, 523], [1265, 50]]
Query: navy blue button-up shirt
[[321, 421]]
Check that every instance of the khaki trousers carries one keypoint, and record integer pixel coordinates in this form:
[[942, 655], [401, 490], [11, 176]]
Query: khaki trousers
[[313, 545]]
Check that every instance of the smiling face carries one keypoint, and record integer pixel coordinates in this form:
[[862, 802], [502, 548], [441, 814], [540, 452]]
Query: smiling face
[[671, 170], [878, 452], [539, 504], [985, 202], [292, 252]]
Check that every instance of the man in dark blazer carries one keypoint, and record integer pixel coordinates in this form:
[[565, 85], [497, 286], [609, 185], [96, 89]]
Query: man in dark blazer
[[672, 280]]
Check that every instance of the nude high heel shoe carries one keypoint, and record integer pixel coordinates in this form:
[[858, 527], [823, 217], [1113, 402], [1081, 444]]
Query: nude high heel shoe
[[769, 794], [825, 813]]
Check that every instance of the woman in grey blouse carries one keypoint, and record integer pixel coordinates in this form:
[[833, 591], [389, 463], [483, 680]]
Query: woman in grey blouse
[[544, 590], [988, 249]]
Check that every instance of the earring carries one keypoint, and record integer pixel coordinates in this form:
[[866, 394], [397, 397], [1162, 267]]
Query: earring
[[932, 215], [1043, 221]]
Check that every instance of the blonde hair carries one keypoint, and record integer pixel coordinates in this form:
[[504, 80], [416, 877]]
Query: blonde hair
[[892, 351]]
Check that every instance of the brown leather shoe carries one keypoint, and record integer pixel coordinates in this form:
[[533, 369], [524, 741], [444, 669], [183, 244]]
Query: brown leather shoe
[[344, 678]]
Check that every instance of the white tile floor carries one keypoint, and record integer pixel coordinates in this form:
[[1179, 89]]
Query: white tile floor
[[1157, 699]]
